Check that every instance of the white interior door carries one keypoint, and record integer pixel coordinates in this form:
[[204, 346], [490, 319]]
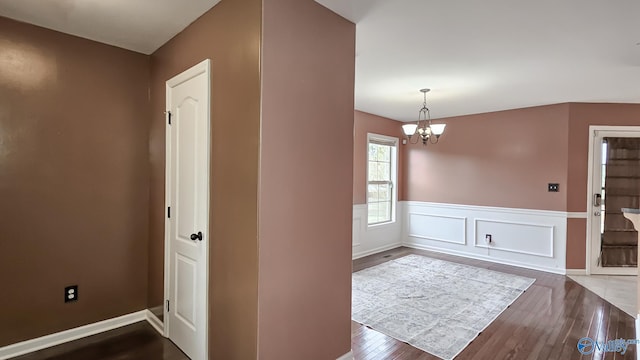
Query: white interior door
[[604, 203], [187, 186]]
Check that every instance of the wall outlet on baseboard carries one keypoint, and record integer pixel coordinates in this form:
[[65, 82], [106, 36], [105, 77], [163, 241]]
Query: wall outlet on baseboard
[[488, 238], [71, 293]]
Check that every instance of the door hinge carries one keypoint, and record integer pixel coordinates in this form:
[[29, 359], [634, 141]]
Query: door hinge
[[169, 212], [168, 116], [167, 305]]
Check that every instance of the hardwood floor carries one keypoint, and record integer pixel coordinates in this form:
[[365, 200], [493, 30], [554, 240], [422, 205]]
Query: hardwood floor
[[546, 322], [138, 341]]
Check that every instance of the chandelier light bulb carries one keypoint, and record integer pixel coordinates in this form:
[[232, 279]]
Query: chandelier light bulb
[[437, 129], [409, 129]]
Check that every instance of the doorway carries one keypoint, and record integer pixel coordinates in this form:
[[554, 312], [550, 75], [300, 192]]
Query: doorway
[[187, 200], [614, 183]]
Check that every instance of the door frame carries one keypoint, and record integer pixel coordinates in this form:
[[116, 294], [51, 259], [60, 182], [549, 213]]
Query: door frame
[[202, 67], [611, 131]]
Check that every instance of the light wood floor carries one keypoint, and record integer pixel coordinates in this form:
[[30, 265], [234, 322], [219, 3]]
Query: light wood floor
[[546, 322], [619, 290]]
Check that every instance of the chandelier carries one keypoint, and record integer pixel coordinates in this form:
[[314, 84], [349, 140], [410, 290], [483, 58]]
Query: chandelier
[[426, 131]]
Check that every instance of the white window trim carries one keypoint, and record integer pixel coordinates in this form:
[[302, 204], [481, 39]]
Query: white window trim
[[394, 177]]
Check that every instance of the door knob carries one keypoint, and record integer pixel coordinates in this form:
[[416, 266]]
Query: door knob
[[197, 236]]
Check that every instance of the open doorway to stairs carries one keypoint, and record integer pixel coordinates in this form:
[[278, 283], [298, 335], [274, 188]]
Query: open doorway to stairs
[[614, 183]]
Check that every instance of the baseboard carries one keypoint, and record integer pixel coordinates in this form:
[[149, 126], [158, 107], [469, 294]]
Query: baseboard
[[484, 258], [347, 356], [155, 322], [375, 251], [58, 338], [576, 272]]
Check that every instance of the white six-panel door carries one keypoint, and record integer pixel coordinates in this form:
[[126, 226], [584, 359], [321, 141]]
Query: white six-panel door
[[187, 197]]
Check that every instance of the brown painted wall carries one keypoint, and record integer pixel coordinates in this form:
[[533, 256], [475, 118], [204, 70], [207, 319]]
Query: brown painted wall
[[365, 123], [305, 182], [581, 116], [229, 34], [502, 159], [576, 247], [73, 180]]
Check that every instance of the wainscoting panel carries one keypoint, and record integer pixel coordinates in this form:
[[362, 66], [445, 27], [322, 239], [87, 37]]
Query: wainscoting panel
[[518, 237], [533, 239], [357, 230], [437, 227], [369, 240]]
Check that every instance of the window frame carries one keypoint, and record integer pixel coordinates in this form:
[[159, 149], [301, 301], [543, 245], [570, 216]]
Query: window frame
[[393, 142]]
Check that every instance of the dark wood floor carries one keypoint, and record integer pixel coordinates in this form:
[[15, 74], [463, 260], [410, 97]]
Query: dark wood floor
[[139, 341], [546, 322]]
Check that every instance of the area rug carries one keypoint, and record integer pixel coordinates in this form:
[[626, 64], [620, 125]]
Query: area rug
[[434, 305]]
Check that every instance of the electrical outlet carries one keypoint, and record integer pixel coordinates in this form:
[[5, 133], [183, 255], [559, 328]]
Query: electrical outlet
[[487, 238], [71, 293], [554, 187]]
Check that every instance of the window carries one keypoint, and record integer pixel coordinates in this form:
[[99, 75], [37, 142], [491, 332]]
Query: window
[[381, 178]]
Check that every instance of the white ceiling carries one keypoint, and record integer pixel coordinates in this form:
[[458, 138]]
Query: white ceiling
[[476, 56], [138, 25], [489, 55]]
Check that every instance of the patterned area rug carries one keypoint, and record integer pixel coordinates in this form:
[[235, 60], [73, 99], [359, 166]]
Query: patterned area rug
[[434, 305]]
